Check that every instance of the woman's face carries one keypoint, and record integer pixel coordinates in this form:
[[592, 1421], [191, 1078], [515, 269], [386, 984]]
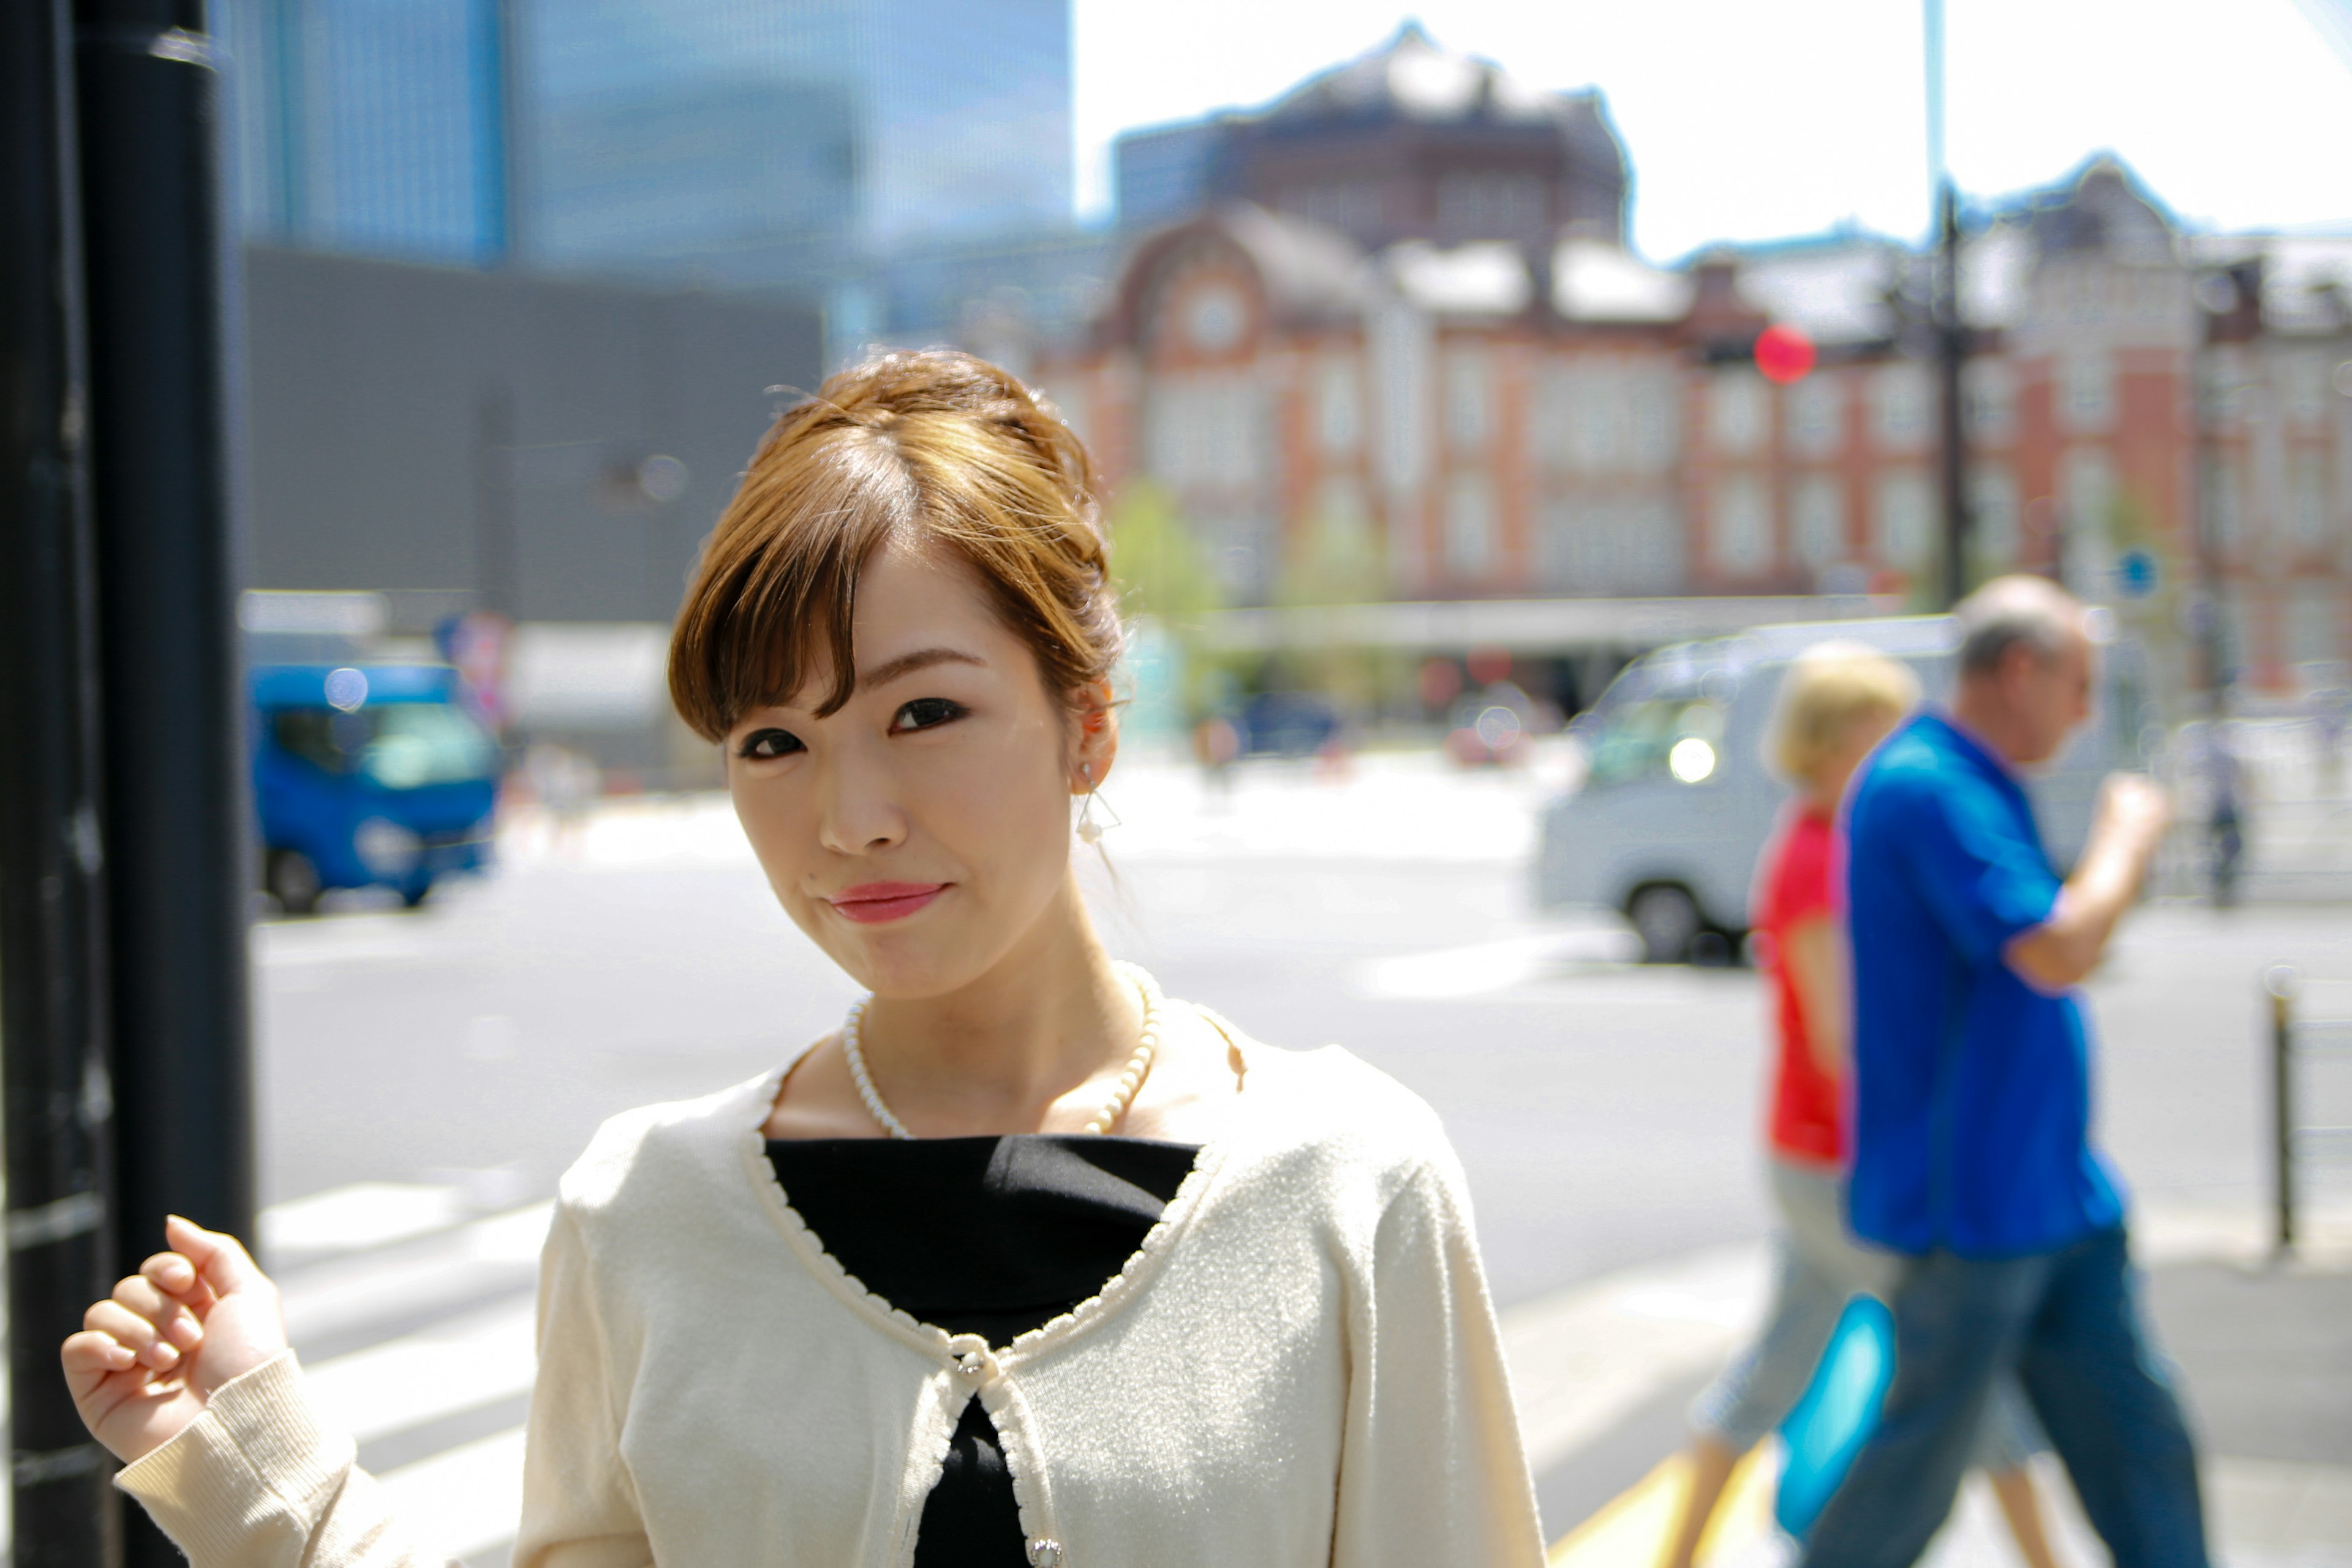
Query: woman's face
[[919, 834]]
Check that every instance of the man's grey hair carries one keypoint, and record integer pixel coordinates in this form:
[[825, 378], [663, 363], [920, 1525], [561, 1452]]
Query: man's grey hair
[[2010, 612]]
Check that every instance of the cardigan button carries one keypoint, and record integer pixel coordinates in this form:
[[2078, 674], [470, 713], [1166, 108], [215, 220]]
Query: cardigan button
[[1044, 1554], [978, 1365]]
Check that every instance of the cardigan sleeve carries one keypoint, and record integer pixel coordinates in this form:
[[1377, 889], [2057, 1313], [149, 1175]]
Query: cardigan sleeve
[[1432, 1468], [257, 1481], [579, 1505]]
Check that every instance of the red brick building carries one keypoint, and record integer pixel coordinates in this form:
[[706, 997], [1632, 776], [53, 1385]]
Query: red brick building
[[1465, 379]]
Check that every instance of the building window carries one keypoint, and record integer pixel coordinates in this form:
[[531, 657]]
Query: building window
[[1553, 429], [2088, 480], [2307, 501], [1742, 541], [1657, 418], [1601, 410], [2306, 388], [2312, 626], [1906, 521], [1339, 406], [1993, 515], [1206, 432], [1817, 521], [1737, 411], [2087, 390], [1655, 548], [1469, 399], [1214, 315], [1568, 551], [1470, 526], [1489, 206], [2224, 521], [1991, 401], [1351, 204], [1817, 415], [1898, 406]]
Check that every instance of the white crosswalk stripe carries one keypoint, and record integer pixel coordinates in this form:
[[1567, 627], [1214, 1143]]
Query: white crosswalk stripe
[[414, 1343], [464, 1500]]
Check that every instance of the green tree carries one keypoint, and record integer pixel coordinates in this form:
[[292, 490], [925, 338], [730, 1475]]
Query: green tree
[[1164, 578]]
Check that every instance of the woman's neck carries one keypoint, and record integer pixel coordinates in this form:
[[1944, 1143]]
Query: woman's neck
[[995, 1055]]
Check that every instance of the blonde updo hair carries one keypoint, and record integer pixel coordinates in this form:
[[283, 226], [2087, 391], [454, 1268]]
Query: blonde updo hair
[[1830, 688], [935, 447]]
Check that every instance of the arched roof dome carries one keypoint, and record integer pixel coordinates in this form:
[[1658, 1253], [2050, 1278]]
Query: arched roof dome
[[1412, 77]]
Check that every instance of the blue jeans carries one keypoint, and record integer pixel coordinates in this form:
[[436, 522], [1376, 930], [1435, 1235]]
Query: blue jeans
[[2069, 1322], [1820, 1268]]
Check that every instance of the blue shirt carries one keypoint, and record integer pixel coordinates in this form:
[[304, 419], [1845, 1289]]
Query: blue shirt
[[1972, 1090]]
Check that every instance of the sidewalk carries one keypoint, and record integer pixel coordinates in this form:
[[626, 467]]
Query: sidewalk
[[1604, 1371]]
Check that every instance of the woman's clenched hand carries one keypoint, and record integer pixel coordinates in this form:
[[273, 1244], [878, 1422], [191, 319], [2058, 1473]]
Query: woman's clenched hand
[[150, 1357]]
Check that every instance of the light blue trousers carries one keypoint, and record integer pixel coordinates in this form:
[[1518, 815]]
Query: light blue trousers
[[1818, 1268]]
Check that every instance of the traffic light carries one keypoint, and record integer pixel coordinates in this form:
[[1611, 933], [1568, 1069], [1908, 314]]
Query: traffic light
[[1783, 354]]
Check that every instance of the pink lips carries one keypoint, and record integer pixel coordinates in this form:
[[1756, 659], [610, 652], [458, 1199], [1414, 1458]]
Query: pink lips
[[873, 903]]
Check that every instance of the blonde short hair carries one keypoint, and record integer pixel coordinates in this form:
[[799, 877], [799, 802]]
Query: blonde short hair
[[1830, 689]]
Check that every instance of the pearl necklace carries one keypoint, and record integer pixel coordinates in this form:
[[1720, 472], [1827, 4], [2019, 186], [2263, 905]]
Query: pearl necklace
[[1131, 1080]]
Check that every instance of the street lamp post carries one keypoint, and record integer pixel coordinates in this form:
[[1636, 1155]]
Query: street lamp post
[[1952, 368], [53, 1003], [1945, 316], [124, 862]]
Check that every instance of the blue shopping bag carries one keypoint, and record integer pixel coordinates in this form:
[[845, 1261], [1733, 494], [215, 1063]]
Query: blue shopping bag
[[1837, 1414]]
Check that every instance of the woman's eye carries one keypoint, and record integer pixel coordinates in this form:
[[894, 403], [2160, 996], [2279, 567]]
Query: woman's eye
[[927, 712], [762, 745]]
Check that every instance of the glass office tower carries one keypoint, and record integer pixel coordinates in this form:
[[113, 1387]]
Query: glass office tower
[[731, 142]]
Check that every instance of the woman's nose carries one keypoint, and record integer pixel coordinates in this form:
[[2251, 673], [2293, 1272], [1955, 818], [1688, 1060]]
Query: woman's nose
[[861, 811]]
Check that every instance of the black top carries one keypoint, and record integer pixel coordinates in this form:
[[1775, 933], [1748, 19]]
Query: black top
[[992, 1236]]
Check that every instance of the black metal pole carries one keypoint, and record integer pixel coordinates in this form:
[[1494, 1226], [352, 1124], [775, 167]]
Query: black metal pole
[[2280, 983], [53, 974], [1952, 362], [180, 868]]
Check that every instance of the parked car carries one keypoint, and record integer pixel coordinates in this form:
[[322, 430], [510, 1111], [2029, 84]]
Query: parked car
[[1287, 724], [376, 776], [1677, 802]]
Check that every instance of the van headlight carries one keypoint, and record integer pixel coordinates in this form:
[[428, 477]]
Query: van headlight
[[386, 849], [1691, 760]]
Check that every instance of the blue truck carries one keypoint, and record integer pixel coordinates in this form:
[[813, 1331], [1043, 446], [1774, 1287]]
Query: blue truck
[[373, 775]]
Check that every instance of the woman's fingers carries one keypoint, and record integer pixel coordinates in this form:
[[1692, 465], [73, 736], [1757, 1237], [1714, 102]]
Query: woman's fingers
[[219, 1257], [91, 1355], [173, 1274], [170, 1315], [129, 1328]]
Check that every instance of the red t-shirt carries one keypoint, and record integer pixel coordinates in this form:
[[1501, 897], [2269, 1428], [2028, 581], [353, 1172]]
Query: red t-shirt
[[1808, 1104]]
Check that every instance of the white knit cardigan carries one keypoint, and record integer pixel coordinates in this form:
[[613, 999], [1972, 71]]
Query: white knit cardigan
[[1300, 1366]]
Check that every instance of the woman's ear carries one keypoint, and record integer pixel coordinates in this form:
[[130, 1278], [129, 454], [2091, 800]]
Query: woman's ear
[[1098, 723]]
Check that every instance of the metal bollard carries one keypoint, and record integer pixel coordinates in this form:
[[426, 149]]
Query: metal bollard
[[2278, 982]]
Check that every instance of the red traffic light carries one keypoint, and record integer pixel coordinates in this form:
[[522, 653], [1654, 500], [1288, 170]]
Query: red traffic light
[[1784, 355]]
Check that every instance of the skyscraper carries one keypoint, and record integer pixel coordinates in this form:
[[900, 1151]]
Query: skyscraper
[[737, 143], [378, 127]]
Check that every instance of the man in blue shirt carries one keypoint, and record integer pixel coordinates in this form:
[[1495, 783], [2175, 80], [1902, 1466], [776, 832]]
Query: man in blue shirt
[[1972, 1103]]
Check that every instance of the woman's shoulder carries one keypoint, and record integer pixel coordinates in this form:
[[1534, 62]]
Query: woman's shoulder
[[655, 1150], [1329, 1108]]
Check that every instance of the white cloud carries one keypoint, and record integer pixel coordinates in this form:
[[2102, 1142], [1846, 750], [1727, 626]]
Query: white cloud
[[1750, 121]]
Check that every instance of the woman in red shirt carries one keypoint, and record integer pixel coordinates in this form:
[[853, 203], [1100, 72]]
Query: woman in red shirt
[[1838, 702]]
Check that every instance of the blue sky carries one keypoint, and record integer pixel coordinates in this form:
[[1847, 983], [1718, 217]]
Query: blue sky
[[1749, 120]]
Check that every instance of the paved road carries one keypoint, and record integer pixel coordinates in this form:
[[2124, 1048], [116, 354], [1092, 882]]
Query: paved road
[[419, 1069]]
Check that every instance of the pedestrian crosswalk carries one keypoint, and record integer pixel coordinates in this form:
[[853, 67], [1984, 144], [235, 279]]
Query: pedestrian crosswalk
[[417, 1339]]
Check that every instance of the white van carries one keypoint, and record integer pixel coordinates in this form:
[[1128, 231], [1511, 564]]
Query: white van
[[1677, 802]]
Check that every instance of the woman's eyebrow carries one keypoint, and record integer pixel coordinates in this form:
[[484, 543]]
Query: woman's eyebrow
[[921, 658]]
